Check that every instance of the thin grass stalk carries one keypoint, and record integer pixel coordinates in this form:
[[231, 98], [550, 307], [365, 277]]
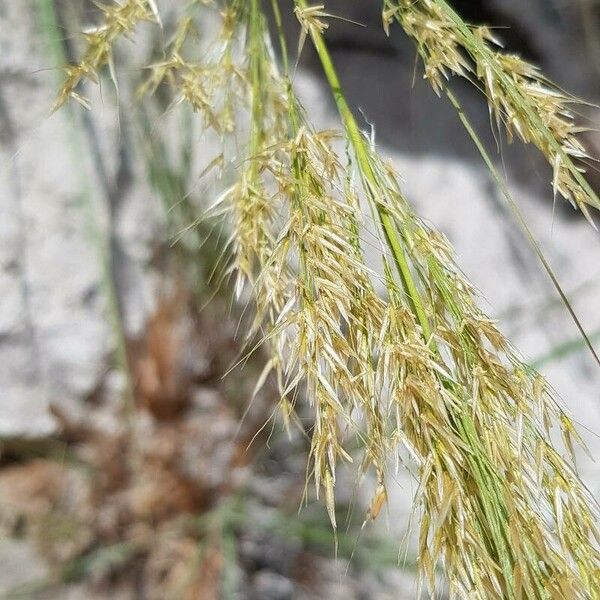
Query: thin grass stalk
[[503, 187], [49, 22]]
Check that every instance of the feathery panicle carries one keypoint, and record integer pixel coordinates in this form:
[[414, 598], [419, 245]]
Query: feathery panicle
[[502, 510], [420, 366], [216, 87], [118, 20], [525, 102]]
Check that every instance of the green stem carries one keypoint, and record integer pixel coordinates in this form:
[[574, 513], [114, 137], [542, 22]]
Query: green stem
[[520, 219], [358, 143], [281, 37], [255, 51], [490, 495]]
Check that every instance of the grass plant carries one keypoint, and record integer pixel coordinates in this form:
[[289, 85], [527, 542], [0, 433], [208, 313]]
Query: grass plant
[[419, 366]]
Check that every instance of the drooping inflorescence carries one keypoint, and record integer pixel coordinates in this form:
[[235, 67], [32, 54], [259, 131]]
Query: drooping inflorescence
[[117, 20], [404, 358], [523, 102]]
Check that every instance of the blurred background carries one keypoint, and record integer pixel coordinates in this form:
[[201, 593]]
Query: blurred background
[[132, 462]]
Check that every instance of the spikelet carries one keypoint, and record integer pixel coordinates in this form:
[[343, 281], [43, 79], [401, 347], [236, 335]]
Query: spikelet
[[312, 18], [524, 102]]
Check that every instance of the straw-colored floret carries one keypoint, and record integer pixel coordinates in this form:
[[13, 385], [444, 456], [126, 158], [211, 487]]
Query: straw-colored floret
[[418, 367]]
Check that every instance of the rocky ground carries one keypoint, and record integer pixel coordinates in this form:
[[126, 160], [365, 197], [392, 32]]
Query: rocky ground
[[89, 285]]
